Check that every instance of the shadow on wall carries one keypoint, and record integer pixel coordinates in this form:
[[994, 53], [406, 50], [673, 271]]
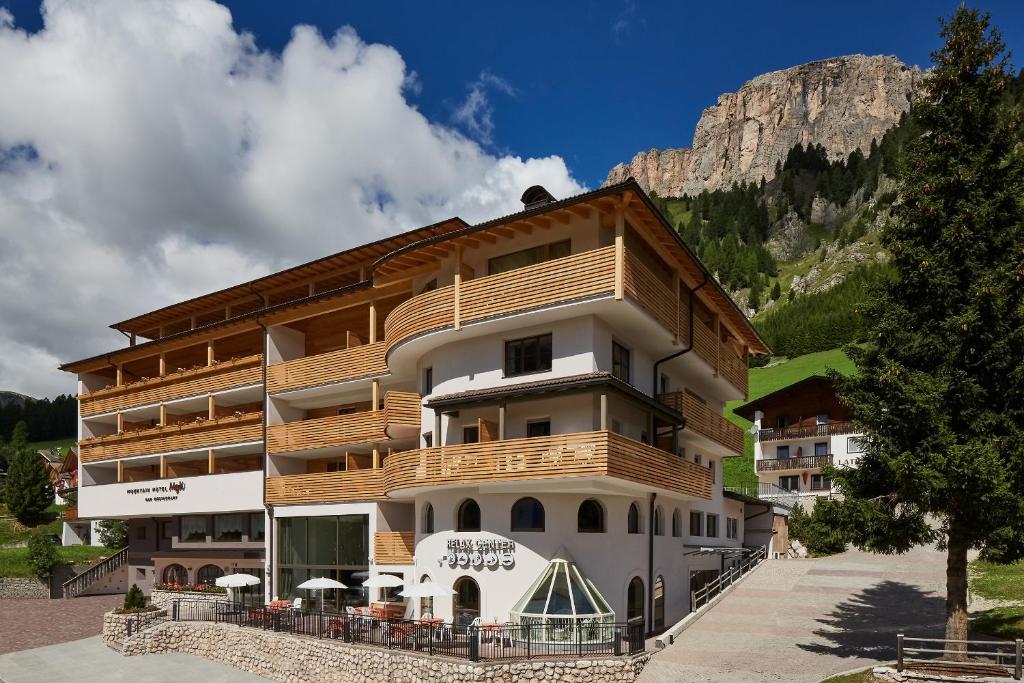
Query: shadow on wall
[[866, 625]]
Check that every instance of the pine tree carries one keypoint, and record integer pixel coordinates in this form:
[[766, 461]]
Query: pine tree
[[776, 291], [940, 391], [754, 300], [28, 491]]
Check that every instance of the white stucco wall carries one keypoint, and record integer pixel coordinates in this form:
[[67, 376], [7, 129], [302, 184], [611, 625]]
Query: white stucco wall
[[242, 491]]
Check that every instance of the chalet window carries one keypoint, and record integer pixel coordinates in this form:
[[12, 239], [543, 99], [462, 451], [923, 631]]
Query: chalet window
[[732, 528], [428, 380], [531, 354], [257, 530], [659, 521], [854, 444], [711, 466], [712, 526], [821, 448], [790, 482], [527, 515], [590, 517], [427, 524], [781, 422], [528, 257], [663, 384], [819, 482], [538, 428], [696, 523], [633, 519], [782, 452], [194, 529], [822, 419], [697, 458], [677, 524], [469, 516], [620, 362], [471, 434], [227, 528]]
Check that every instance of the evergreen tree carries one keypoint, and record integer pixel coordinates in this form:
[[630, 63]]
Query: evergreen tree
[[28, 491], [776, 291], [754, 300], [939, 392]]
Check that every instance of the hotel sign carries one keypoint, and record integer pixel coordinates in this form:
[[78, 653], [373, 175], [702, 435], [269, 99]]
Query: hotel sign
[[154, 494], [480, 553]]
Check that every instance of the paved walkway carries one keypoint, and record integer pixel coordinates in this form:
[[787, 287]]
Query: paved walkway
[[90, 661], [32, 623], [803, 620]]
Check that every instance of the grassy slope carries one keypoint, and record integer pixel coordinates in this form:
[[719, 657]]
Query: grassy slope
[[999, 582], [740, 471], [14, 561], [56, 443]]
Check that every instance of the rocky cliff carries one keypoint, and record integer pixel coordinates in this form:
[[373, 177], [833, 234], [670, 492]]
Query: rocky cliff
[[841, 103]]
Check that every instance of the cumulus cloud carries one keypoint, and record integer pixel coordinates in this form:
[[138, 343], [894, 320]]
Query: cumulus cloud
[[149, 152]]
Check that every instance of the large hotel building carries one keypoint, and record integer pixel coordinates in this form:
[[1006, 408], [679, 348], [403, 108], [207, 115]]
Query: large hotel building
[[527, 411]]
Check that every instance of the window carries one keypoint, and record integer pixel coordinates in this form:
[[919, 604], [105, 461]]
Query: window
[[336, 466], [635, 599], [782, 452], [663, 384], [819, 482], [428, 380], [140, 533], [659, 603], [538, 428], [781, 422], [471, 434], [620, 362], [531, 354], [822, 419], [332, 546], [696, 523], [711, 466], [466, 601], [427, 523], [468, 516], [790, 482], [854, 444], [194, 529], [227, 528], [697, 458], [590, 517], [528, 257], [633, 519], [256, 526], [174, 573], [427, 603], [677, 523], [821, 448], [732, 528], [527, 515], [659, 522], [208, 574], [712, 526]]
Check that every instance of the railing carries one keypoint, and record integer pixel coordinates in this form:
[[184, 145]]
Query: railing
[[401, 409], [205, 434], [394, 547], [799, 462], [657, 298], [324, 487], [484, 642], [192, 382], [773, 493], [703, 420], [76, 584], [703, 595], [798, 432], [999, 658], [336, 366], [71, 513]]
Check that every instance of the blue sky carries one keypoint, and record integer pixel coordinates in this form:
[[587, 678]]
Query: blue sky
[[596, 82]]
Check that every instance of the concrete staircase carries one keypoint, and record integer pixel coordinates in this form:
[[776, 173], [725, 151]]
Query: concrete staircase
[[108, 576]]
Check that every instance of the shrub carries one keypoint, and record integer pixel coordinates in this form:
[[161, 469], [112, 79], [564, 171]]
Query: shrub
[[42, 556], [134, 599], [113, 533], [821, 531], [189, 587]]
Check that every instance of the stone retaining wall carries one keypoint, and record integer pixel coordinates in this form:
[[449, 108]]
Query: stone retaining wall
[[23, 587], [294, 659], [115, 626], [164, 599]]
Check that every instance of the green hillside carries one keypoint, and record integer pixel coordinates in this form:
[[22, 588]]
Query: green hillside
[[55, 443], [782, 372]]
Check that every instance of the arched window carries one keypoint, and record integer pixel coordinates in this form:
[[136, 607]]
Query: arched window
[[527, 515], [427, 525], [175, 573], [635, 599], [208, 574], [633, 519], [659, 603], [466, 601], [659, 522], [590, 517], [427, 603], [469, 516], [677, 523]]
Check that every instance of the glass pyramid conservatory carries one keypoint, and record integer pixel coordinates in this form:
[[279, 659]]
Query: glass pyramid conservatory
[[563, 601]]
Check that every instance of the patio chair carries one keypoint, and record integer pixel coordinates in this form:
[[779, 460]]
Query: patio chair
[[296, 604]]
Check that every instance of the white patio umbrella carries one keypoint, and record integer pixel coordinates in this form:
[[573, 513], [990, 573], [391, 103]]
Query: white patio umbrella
[[383, 581], [427, 589], [320, 584], [230, 581]]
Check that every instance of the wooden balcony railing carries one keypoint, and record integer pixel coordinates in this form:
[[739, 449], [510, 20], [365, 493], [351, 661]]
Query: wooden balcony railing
[[805, 432], [803, 462], [326, 487], [705, 421], [394, 547], [206, 434], [203, 380], [401, 409], [336, 366], [71, 514]]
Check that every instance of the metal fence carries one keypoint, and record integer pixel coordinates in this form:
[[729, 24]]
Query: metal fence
[[703, 595], [982, 654], [474, 643]]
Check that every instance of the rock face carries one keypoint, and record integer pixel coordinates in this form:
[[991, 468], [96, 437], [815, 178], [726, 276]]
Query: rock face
[[841, 103]]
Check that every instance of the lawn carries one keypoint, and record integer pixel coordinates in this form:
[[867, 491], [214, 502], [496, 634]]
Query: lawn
[[860, 677], [56, 443], [14, 561], [740, 471], [12, 532], [999, 582]]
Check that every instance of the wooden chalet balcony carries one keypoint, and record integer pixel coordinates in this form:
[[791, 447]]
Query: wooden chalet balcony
[[206, 434], [336, 366], [798, 432], [203, 380], [394, 547], [401, 409], [705, 421], [71, 514], [325, 487], [803, 462]]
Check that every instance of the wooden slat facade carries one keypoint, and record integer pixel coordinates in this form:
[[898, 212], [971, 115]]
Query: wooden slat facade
[[428, 311], [224, 375], [703, 420], [324, 368], [207, 434], [326, 486], [394, 547]]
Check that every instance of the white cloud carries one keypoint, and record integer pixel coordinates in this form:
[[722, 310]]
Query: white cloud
[[150, 153], [476, 113], [623, 23]]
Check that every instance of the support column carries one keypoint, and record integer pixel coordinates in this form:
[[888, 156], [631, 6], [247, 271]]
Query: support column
[[211, 406], [437, 428], [163, 364], [120, 471], [163, 415], [604, 411], [211, 461], [210, 355], [373, 322], [375, 393], [163, 466], [620, 252], [120, 422], [376, 457], [120, 375], [458, 284], [501, 421]]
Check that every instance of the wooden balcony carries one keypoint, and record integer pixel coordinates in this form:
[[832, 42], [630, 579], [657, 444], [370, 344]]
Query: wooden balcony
[[394, 547], [705, 421], [336, 366], [805, 432], [803, 462], [224, 375], [71, 514], [205, 434], [401, 409], [325, 487]]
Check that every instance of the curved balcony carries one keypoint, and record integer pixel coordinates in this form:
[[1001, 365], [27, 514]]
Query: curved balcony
[[205, 434], [401, 413], [327, 368], [705, 421], [203, 380]]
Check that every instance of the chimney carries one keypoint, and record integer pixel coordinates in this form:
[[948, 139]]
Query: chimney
[[536, 196]]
